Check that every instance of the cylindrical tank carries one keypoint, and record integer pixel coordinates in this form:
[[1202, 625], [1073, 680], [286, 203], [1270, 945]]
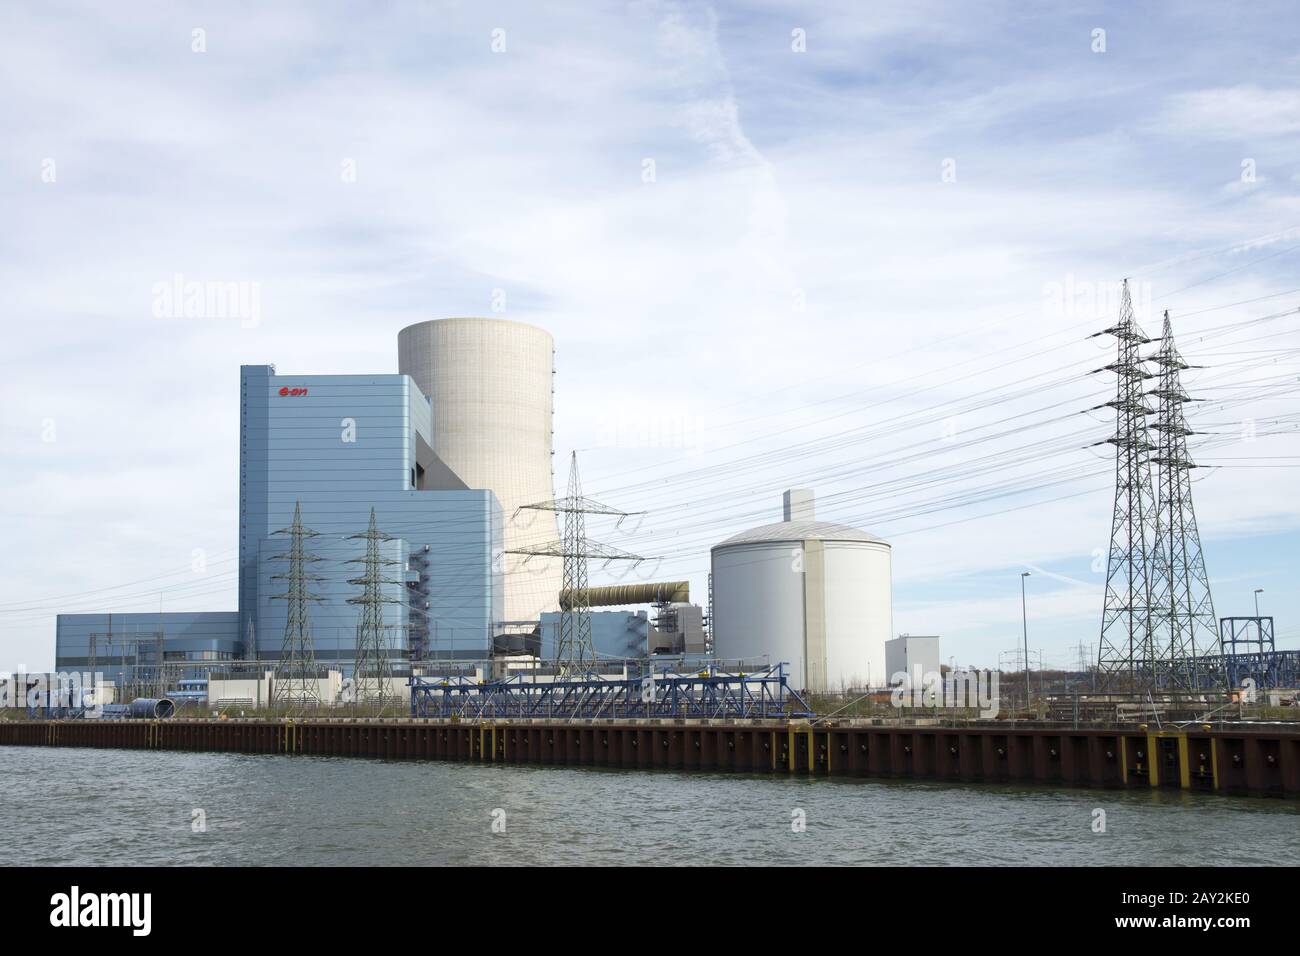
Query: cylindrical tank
[[490, 384], [814, 594]]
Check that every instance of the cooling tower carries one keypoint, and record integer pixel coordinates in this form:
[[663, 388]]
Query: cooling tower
[[489, 381]]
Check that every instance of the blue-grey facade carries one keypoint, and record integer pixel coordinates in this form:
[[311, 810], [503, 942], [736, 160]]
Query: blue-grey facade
[[110, 643], [614, 634], [337, 446]]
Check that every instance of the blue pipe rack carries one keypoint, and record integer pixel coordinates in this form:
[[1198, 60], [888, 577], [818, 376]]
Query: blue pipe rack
[[664, 694]]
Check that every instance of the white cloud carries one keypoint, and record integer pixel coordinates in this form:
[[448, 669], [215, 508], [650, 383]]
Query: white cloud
[[794, 271], [1244, 112]]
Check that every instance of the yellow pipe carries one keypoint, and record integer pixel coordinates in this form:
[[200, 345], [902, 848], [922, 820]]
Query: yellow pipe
[[1184, 772], [1152, 763], [1123, 759]]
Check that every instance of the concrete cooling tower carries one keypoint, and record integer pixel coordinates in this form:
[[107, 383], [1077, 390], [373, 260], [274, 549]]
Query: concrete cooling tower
[[489, 381]]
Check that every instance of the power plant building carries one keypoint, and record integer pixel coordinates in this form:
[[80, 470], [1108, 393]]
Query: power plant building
[[448, 452], [334, 446], [107, 643], [337, 446], [813, 594]]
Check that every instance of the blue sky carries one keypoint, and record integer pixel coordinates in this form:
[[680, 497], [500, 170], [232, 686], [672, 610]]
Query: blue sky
[[797, 270]]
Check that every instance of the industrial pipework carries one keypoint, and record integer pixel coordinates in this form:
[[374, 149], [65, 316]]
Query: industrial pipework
[[151, 708], [664, 592]]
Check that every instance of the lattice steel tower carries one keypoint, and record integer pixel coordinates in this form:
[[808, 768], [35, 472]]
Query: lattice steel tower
[[296, 675], [1181, 602], [1127, 653], [372, 660], [574, 651]]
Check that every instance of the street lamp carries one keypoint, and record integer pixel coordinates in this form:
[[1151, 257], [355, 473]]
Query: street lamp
[[1258, 592], [1024, 621]]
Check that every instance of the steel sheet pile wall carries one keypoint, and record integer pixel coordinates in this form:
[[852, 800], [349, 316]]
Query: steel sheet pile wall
[[1229, 761]]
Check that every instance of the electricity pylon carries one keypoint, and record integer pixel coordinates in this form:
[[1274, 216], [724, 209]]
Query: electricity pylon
[[1181, 602], [1126, 653], [372, 658], [295, 675], [575, 654]]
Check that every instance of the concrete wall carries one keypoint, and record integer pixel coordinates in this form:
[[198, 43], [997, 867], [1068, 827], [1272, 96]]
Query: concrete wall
[[224, 693], [227, 693]]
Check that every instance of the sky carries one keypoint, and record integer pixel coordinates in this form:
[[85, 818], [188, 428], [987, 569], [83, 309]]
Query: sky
[[854, 248]]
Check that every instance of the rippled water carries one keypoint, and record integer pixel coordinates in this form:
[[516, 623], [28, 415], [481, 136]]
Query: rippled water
[[131, 807]]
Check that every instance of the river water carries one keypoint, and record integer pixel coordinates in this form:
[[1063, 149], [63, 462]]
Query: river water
[[124, 807]]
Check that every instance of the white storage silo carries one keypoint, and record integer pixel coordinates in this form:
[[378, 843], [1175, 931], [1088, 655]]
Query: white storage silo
[[814, 594], [490, 385]]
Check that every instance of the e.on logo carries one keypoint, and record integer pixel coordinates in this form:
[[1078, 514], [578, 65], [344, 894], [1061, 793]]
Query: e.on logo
[[286, 391]]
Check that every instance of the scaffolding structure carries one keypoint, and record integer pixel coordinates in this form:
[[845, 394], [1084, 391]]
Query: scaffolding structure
[[1250, 653], [146, 674], [417, 589], [708, 694]]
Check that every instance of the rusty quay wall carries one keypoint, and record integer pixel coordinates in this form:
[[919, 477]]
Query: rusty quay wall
[[1228, 760]]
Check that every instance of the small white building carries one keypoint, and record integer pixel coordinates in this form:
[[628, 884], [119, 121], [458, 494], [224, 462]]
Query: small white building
[[235, 692], [913, 655]]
